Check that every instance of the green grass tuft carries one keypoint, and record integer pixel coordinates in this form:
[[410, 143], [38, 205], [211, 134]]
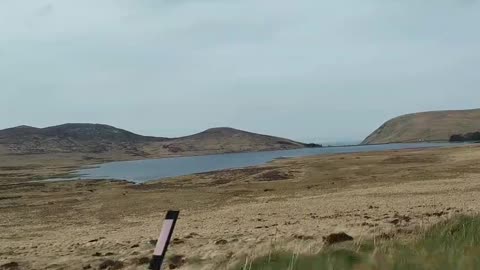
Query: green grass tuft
[[450, 245]]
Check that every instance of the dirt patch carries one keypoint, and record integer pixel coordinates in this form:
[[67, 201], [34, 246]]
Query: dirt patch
[[10, 197], [10, 266], [410, 159], [17, 168], [111, 265], [335, 238], [274, 175], [176, 261]]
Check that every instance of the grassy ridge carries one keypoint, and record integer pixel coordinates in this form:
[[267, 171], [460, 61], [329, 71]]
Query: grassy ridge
[[450, 245], [426, 126]]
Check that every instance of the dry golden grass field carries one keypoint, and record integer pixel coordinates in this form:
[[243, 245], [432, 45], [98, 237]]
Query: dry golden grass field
[[232, 215]]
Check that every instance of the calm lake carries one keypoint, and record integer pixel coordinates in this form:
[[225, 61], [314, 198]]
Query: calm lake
[[140, 171]]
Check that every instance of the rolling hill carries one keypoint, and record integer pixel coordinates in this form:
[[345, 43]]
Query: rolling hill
[[104, 139], [229, 140], [426, 126]]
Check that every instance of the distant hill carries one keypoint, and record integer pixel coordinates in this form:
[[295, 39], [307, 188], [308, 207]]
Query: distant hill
[[71, 138], [229, 140], [103, 139], [426, 126]]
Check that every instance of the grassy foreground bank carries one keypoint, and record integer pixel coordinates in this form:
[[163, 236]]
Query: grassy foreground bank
[[449, 245]]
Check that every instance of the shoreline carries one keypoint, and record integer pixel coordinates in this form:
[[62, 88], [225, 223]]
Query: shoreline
[[56, 163], [76, 177]]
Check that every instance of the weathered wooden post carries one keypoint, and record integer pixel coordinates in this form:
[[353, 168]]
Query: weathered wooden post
[[164, 240]]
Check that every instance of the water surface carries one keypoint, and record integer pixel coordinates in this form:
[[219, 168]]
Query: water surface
[[140, 171]]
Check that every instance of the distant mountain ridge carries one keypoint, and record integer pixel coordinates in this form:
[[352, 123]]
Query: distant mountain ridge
[[426, 127], [78, 131], [103, 139]]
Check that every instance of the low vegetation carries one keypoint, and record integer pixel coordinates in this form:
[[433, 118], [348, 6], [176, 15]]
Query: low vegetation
[[452, 244], [469, 137]]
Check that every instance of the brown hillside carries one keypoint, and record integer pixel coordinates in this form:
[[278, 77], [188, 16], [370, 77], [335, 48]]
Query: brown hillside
[[426, 126], [103, 140], [226, 140], [72, 138]]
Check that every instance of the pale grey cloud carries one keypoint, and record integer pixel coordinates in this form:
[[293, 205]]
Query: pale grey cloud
[[302, 68]]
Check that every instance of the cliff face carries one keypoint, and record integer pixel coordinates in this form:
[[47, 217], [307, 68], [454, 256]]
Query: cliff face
[[426, 126]]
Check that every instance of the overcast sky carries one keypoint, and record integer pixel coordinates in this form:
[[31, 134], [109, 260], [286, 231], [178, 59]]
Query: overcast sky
[[327, 69]]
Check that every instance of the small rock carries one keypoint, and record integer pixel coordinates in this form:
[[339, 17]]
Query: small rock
[[337, 238], [87, 267], [153, 242], [221, 242], [109, 254], [97, 254]]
